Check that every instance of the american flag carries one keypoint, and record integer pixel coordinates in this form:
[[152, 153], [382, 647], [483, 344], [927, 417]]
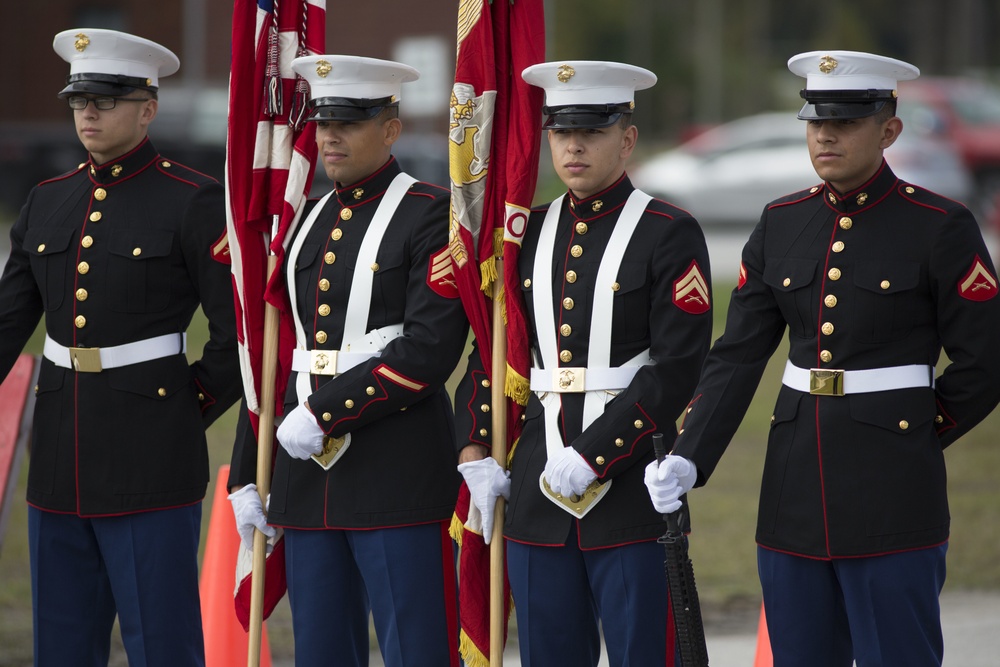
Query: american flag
[[494, 136], [269, 166], [270, 158]]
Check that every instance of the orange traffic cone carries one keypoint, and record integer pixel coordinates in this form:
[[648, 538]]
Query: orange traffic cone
[[763, 658], [225, 640]]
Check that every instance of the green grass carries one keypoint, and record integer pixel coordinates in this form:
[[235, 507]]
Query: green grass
[[724, 515]]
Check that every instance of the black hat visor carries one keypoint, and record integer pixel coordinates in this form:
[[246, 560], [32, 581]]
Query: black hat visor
[[584, 116]]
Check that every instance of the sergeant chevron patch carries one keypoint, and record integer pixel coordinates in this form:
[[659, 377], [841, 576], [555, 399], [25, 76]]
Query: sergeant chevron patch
[[691, 293], [978, 284], [441, 274]]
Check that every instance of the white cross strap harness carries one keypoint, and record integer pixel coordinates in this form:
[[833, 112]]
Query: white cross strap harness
[[599, 381], [357, 345]]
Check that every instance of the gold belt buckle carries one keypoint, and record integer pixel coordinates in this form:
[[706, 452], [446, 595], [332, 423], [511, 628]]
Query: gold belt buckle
[[331, 448], [578, 506], [86, 359], [569, 380], [826, 381], [323, 362]]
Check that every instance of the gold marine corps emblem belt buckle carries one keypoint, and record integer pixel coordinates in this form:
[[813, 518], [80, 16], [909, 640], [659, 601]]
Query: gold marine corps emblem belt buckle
[[570, 380], [85, 359], [323, 362], [826, 382]]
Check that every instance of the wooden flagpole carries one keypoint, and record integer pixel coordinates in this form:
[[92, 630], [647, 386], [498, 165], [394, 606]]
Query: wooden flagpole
[[265, 441], [498, 603]]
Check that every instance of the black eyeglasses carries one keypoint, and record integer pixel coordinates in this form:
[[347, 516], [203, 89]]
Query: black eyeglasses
[[79, 102]]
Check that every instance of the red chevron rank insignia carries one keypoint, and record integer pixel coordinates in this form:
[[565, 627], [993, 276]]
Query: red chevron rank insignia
[[978, 284], [441, 274], [691, 293], [743, 277]]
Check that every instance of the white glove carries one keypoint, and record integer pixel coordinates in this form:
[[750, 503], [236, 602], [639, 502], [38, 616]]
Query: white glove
[[249, 514], [567, 473], [300, 435], [668, 480], [487, 481]]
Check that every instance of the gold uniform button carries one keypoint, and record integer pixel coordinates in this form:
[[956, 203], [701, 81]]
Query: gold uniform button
[[327, 416], [201, 396], [324, 285], [938, 419], [87, 241], [565, 356], [329, 258], [903, 424], [772, 419], [486, 383], [615, 287], [484, 407], [813, 189], [838, 246], [599, 460], [161, 391], [680, 431], [36, 388], [348, 404], [320, 337], [375, 266], [336, 234], [96, 216], [568, 303], [80, 321], [884, 284], [165, 164], [786, 282], [41, 247], [571, 276], [483, 432], [834, 273], [826, 356], [136, 252], [830, 301], [324, 310], [846, 223], [370, 391], [638, 423], [565, 330], [527, 282], [100, 194], [827, 328], [576, 251], [619, 442], [83, 268], [910, 190], [81, 294], [346, 214], [581, 228]]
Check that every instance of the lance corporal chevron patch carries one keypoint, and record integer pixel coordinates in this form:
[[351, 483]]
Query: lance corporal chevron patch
[[978, 284], [691, 293]]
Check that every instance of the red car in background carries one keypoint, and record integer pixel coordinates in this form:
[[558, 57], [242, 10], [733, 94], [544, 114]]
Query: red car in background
[[965, 112]]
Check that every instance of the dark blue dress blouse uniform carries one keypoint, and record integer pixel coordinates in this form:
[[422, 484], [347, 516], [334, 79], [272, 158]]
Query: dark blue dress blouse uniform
[[886, 275], [113, 254], [667, 249], [400, 466]]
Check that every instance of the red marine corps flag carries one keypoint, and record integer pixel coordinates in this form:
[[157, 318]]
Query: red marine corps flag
[[494, 134], [269, 168]]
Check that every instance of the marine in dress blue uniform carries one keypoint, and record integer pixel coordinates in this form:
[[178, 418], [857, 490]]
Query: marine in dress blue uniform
[[617, 292], [118, 254], [872, 277], [380, 329]]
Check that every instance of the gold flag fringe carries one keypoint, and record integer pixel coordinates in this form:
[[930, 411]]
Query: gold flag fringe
[[471, 654], [516, 386], [455, 529]]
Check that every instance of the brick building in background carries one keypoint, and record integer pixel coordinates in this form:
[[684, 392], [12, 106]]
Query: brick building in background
[[37, 139]]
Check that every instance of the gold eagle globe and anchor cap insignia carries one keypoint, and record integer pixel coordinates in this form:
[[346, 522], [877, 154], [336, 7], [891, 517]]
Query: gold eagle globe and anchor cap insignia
[[323, 67], [82, 42], [827, 64], [343, 87], [584, 94]]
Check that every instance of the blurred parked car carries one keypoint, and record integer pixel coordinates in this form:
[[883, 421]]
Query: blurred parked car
[[965, 112], [727, 174]]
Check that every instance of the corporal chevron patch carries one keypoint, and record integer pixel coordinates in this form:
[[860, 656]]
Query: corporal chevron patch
[[978, 284], [743, 277], [691, 293], [441, 274]]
